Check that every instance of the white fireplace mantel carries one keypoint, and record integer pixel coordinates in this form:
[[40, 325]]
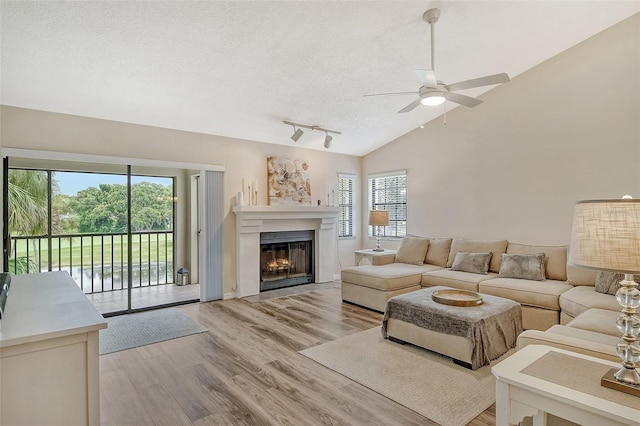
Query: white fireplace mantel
[[252, 220]]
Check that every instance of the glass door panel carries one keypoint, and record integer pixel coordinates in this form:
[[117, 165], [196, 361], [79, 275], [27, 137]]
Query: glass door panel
[[89, 239], [154, 207]]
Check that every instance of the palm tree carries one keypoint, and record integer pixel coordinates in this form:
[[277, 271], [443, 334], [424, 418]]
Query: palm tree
[[28, 204]]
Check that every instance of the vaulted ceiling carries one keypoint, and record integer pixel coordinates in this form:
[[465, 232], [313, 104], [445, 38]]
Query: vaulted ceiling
[[239, 68]]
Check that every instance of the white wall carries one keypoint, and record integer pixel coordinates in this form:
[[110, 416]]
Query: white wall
[[513, 167], [45, 131]]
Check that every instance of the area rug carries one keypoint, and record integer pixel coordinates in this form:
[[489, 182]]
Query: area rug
[[144, 328], [423, 381]]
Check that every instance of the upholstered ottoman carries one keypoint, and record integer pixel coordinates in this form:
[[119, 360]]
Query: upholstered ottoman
[[473, 336]]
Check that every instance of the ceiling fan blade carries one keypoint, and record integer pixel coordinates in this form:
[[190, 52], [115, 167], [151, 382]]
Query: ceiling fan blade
[[394, 93], [467, 101], [427, 78], [478, 82], [409, 107]]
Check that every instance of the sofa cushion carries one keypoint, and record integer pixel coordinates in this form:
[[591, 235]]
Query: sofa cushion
[[580, 276], [533, 293], [387, 277], [523, 266], [598, 320], [497, 247], [370, 297], [455, 279], [477, 263], [412, 250], [572, 339], [555, 261], [580, 298], [438, 252], [581, 333]]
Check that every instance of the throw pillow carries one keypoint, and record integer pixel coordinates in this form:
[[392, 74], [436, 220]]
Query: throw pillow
[[523, 266], [609, 282], [438, 252], [412, 250], [477, 263]]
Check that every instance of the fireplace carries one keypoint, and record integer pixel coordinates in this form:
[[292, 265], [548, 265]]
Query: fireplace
[[251, 221], [286, 259]]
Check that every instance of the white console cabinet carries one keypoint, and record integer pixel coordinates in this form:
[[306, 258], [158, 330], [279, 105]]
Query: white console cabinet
[[49, 367]]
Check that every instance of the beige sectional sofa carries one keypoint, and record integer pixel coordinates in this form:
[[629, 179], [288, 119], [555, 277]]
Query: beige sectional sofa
[[593, 332], [372, 285], [587, 320], [582, 295], [562, 296]]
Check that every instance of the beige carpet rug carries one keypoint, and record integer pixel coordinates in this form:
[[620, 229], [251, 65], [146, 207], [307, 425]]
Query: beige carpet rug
[[423, 381]]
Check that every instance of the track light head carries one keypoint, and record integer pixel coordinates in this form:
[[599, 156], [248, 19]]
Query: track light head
[[296, 135], [327, 141]]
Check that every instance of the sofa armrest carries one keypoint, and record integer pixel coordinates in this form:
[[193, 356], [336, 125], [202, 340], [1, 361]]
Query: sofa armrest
[[598, 350], [383, 259]]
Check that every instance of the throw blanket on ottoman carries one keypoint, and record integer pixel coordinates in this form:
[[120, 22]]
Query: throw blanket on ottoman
[[492, 327]]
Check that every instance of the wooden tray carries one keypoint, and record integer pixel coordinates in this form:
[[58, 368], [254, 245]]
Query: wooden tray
[[457, 297]]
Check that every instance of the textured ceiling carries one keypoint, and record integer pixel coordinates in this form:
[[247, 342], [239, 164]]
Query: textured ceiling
[[238, 69]]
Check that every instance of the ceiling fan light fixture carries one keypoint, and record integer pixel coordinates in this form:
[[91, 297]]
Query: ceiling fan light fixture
[[433, 91], [432, 99]]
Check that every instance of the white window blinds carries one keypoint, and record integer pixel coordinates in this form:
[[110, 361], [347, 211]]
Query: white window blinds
[[388, 191], [346, 202]]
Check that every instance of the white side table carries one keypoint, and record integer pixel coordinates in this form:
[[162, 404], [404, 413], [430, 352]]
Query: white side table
[[370, 254], [540, 379]]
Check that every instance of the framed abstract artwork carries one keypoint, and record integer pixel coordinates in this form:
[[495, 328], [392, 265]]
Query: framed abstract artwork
[[288, 182]]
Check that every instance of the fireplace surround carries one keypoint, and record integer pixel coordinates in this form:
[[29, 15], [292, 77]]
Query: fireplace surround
[[251, 221]]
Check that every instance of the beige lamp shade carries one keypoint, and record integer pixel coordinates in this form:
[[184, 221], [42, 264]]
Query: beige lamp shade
[[378, 218], [606, 235]]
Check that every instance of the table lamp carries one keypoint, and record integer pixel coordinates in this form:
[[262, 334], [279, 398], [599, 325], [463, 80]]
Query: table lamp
[[606, 237], [378, 218]]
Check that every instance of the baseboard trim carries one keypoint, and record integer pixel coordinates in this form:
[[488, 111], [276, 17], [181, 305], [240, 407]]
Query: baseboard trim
[[227, 296]]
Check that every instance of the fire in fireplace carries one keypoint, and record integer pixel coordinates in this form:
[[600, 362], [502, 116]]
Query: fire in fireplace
[[286, 259]]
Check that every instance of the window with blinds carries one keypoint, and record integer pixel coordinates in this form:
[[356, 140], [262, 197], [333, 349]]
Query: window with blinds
[[346, 185], [389, 192]]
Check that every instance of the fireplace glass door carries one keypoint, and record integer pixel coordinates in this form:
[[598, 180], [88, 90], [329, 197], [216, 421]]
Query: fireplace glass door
[[286, 259]]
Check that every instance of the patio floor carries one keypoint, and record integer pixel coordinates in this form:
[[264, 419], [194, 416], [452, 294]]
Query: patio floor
[[116, 300]]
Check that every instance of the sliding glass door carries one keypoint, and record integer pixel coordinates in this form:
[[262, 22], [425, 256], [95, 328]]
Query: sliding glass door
[[113, 231]]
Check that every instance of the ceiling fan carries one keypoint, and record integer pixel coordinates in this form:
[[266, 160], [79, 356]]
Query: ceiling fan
[[434, 91]]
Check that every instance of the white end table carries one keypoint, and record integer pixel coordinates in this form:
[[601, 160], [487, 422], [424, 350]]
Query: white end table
[[540, 379], [369, 254]]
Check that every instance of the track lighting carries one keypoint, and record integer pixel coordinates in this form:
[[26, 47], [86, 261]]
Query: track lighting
[[327, 141], [298, 132]]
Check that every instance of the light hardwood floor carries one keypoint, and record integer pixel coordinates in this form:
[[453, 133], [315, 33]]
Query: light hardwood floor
[[246, 370]]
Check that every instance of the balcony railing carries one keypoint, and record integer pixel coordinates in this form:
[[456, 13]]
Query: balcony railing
[[98, 262]]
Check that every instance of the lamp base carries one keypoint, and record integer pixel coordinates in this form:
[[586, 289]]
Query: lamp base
[[377, 249], [609, 381]]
